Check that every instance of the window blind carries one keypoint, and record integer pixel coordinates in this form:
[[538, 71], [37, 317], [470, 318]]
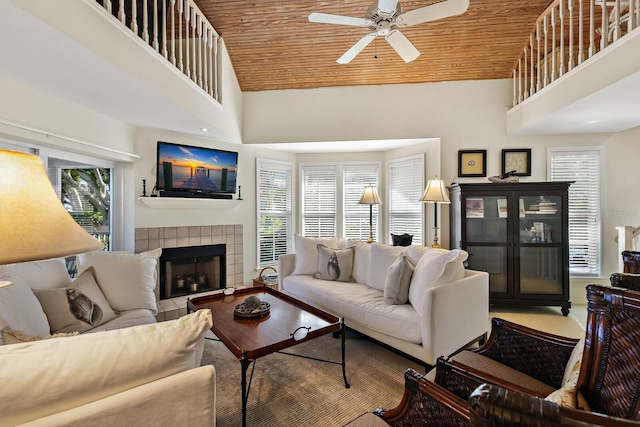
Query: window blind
[[583, 167], [405, 187], [319, 200], [356, 216], [275, 201]]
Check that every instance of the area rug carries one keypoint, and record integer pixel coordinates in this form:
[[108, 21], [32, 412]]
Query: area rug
[[293, 391]]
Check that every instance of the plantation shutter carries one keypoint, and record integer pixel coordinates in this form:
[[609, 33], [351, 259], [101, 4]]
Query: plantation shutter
[[356, 216], [583, 167], [405, 187], [319, 200], [275, 201]]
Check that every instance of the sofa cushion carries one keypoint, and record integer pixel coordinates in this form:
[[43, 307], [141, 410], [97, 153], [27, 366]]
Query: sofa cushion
[[60, 374], [380, 259], [76, 308], [334, 264], [361, 255], [396, 287], [46, 274], [127, 280], [126, 319], [359, 303], [307, 253], [20, 309], [453, 271], [12, 336], [429, 270]]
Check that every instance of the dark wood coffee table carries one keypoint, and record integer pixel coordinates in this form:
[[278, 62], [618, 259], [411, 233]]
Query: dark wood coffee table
[[251, 338]]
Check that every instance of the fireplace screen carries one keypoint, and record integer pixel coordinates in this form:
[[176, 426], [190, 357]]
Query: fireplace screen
[[193, 269]]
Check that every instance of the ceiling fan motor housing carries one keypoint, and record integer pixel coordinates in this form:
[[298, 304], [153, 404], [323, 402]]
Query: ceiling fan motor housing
[[382, 23]]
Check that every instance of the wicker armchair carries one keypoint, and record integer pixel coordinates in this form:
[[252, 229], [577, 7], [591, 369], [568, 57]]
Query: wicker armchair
[[609, 376], [626, 280], [491, 405], [631, 262]]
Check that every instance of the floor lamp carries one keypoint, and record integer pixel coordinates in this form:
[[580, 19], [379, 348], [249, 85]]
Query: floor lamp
[[35, 224], [370, 197], [435, 193]]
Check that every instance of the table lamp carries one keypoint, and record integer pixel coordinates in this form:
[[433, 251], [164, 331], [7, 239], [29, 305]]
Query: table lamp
[[370, 197], [35, 224], [435, 193]]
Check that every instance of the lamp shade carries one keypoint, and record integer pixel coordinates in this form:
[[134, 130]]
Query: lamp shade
[[34, 224], [436, 192], [370, 196]]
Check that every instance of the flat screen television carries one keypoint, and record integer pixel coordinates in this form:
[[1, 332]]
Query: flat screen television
[[187, 171]]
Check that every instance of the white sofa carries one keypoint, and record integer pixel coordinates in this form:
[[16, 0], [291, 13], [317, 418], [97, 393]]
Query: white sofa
[[113, 363], [446, 307]]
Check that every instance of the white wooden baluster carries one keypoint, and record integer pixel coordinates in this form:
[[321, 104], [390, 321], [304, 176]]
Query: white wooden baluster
[[637, 5], [145, 21], [604, 28], [187, 18], [553, 44], [206, 57], [156, 45], [134, 17], [165, 52], [121, 14], [173, 32], [180, 18], [199, 20], [108, 6], [580, 33], [212, 64], [539, 70], [532, 88], [519, 80], [592, 28], [616, 20], [194, 60], [631, 23], [216, 76], [515, 89], [525, 80], [570, 10], [562, 58]]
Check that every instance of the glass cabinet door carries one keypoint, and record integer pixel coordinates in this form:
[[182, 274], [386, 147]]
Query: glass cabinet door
[[486, 224], [540, 245]]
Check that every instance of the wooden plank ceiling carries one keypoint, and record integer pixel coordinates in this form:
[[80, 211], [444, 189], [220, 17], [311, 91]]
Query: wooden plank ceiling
[[272, 45]]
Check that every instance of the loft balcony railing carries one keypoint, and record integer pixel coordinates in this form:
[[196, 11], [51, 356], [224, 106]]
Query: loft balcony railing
[[178, 31], [568, 33]]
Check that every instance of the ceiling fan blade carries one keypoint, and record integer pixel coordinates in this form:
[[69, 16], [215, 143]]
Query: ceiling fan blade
[[326, 18], [387, 6], [356, 48], [433, 12], [402, 45]]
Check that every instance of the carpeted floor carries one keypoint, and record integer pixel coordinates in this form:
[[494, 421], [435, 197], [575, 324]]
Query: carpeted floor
[[292, 391]]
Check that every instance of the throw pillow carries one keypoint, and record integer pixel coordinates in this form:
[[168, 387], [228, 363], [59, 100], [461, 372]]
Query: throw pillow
[[52, 376], [429, 269], [334, 264], [361, 255], [396, 286], [127, 280], [569, 397], [572, 369], [381, 258], [46, 274], [20, 309], [77, 308], [307, 253], [12, 336], [453, 271]]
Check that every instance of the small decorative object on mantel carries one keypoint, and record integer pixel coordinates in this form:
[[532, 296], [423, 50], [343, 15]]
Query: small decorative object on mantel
[[239, 192], [507, 178], [252, 307]]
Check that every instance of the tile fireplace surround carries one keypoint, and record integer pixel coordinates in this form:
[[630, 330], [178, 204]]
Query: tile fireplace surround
[[174, 237]]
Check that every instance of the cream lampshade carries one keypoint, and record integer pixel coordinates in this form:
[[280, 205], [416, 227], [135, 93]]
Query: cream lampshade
[[370, 197], [34, 223], [435, 193]]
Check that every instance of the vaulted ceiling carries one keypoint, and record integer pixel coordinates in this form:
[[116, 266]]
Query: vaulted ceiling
[[272, 44]]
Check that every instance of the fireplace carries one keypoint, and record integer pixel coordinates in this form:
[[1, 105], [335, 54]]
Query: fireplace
[[193, 269]]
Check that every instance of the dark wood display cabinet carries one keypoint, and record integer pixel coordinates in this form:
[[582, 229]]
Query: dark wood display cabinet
[[518, 233]]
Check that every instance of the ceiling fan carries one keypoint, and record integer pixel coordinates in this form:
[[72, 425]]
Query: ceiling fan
[[384, 17]]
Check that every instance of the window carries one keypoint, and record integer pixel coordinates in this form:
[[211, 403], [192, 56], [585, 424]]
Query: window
[[583, 167], [355, 215], [275, 201], [405, 184], [319, 200], [330, 196]]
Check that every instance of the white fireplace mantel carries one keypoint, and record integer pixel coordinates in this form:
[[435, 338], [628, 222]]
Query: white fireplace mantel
[[189, 203]]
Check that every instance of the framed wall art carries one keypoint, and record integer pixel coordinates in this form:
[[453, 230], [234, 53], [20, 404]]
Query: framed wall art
[[472, 163], [518, 160]]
